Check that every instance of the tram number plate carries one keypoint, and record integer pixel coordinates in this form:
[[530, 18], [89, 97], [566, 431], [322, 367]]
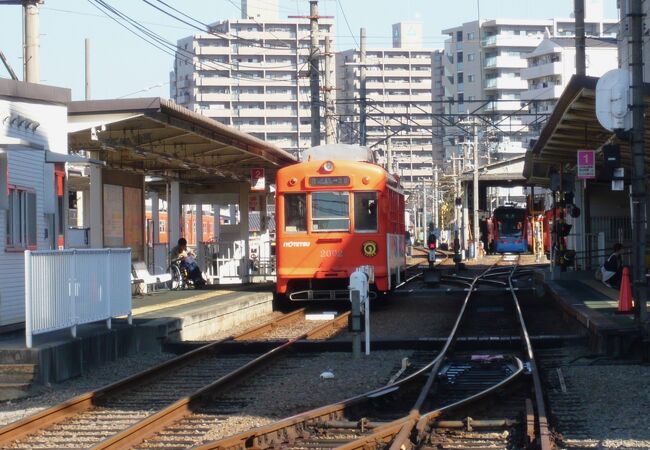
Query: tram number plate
[[329, 181], [331, 253]]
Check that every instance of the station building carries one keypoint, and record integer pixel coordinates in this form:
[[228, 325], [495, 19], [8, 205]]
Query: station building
[[109, 156]]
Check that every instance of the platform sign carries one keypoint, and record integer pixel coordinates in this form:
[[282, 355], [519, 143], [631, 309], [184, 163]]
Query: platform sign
[[258, 181], [586, 164]]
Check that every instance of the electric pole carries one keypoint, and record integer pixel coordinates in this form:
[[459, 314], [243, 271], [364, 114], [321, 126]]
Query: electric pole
[[327, 94], [639, 201], [475, 190], [362, 90], [87, 46], [579, 13], [314, 82], [31, 64], [436, 198]]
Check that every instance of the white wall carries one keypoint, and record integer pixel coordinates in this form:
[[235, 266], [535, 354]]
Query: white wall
[[27, 169]]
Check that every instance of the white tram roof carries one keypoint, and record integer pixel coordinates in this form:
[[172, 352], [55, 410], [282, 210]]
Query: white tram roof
[[341, 152]]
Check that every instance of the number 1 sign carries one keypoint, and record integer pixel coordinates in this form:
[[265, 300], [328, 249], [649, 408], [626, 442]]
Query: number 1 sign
[[586, 164]]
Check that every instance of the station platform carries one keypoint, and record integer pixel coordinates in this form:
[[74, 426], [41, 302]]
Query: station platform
[[157, 317], [595, 306]]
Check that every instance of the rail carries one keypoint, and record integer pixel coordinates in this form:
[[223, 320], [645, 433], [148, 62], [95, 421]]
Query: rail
[[67, 288]]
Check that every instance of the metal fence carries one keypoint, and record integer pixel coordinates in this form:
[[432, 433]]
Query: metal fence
[[66, 288]]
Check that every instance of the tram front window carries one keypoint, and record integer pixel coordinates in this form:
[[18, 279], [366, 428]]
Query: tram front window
[[365, 211], [295, 213], [330, 211]]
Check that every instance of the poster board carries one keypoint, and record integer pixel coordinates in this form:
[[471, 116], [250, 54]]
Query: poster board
[[113, 216], [133, 218]]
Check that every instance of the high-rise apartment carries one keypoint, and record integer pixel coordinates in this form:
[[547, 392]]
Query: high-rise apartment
[[552, 64], [398, 93], [483, 73], [252, 74]]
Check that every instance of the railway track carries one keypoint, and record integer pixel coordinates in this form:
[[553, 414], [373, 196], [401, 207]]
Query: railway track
[[451, 402], [95, 418]]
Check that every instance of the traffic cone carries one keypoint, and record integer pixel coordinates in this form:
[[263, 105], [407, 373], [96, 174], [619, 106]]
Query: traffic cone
[[625, 295]]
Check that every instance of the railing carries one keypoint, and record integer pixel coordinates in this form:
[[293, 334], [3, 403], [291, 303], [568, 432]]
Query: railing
[[66, 288]]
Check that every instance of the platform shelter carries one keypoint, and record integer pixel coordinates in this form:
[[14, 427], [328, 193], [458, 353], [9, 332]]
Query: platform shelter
[[152, 148], [604, 208]]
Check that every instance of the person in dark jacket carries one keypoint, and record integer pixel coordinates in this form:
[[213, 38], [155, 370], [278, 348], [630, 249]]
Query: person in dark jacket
[[613, 268]]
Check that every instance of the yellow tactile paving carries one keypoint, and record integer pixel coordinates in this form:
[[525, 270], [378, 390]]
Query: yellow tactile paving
[[179, 302]]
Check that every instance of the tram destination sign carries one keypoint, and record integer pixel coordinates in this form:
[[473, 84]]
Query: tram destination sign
[[329, 181]]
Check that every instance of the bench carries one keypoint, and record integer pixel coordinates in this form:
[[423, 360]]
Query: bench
[[143, 279]]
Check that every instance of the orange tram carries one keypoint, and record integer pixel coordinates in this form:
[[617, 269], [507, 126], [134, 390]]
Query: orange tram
[[337, 211]]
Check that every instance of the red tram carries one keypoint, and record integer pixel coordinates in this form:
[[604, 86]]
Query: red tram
[[336, 211]]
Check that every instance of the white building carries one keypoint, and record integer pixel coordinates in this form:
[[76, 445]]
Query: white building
[[483, 71], [398, 92], [252, 74], [552, 63], [33, 149]]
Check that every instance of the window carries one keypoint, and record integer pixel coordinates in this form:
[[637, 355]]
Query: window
[[330, 211], [21, 219], [295, 213], [365, 211]]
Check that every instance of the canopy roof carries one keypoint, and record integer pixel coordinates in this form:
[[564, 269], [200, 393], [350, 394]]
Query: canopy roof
[[156, 137], [573, 126]]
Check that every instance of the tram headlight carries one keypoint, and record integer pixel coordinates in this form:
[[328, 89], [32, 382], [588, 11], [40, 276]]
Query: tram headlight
[[328, 166]]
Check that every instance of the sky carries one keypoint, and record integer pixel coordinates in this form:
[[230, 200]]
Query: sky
[[123, 65]]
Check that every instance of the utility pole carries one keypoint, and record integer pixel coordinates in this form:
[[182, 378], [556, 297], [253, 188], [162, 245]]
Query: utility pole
[[475, 190], [579, 13], [639, 200], [425, 223], [87, 46], [327, 94], [314, 81], [362, 89], [31, 64], [436, 198]]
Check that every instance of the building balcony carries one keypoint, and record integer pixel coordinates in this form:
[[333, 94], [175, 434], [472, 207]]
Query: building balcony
[[211, 50], [507, 105], [248, 97], [511, 40], [514, 62], [213, 97], [542, 70], [509, 83], [543, 91]]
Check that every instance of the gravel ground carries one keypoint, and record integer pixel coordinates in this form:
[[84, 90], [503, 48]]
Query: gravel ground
[[303, 389], [243, 326], [46, 396], [407, 317], [600, 403]]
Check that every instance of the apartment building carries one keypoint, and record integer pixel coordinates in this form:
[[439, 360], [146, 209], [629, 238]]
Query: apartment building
[[550, 67], [252, 74], [483, 72], [398, 93]]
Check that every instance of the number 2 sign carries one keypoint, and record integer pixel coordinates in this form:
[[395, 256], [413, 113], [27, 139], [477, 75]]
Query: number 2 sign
[[258, 181]]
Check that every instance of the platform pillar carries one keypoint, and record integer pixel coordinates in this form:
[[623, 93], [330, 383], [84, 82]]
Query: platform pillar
[[174, 213]]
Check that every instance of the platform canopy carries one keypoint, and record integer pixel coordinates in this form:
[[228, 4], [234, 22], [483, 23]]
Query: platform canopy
[[158, 138], [573, 126], [506, 173]]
